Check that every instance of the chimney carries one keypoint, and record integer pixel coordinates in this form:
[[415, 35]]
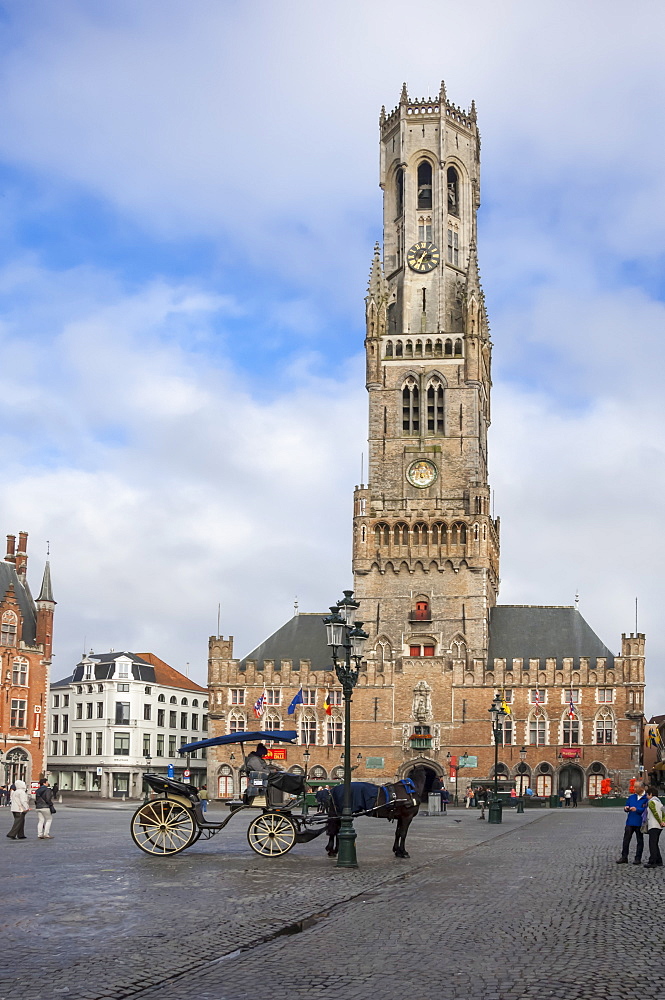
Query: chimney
[[11, 549], [22, 555]]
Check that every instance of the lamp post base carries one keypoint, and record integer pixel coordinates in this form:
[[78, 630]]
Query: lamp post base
[[346, 857], [520, 805], [495, 811]]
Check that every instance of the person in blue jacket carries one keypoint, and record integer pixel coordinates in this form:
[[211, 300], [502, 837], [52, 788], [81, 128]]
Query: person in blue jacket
[[634, 809]]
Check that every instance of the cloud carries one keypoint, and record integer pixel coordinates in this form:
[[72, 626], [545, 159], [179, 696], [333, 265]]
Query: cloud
[[190, 204]]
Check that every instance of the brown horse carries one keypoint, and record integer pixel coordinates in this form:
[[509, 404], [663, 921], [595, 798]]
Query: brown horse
[[399, 801]]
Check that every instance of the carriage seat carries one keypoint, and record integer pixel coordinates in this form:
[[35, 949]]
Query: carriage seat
[[159, 783]]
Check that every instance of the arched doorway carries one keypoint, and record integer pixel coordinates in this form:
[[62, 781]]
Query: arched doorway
[[571, 776], [431, 772], [16, 765]]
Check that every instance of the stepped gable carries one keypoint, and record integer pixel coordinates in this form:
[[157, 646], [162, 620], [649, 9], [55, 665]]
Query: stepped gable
[[530, 632], [301, 638]]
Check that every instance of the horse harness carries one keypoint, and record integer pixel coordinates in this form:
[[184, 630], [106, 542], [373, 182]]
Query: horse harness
[[392, 797]]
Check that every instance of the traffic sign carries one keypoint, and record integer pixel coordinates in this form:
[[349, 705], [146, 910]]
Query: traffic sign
[[169, 771], [186, 772], [100, 770]]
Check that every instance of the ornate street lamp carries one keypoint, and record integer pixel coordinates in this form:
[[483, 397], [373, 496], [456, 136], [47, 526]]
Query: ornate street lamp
[[521, 770], [346, 639], [497, 713]]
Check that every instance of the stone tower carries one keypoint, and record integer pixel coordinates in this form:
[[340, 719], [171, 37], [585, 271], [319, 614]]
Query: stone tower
[[425, 547]]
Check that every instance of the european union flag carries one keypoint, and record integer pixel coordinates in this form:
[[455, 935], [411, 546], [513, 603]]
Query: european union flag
[[296, 701]]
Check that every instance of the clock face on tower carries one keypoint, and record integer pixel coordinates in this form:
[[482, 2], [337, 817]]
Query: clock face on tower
[[422, 473], [423, 257]]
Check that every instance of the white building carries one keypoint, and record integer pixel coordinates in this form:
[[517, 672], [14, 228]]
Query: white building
[[119, 715]]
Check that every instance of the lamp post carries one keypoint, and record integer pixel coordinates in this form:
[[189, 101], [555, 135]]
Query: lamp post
[[497, 713], [459, 766], [346, 639], [521, 768], [306, 755]]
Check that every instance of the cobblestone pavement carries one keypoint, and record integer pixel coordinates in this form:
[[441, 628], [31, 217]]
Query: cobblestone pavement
[[541, 912], [87, 915]]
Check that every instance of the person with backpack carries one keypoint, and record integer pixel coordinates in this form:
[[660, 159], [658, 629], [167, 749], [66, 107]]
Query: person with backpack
[[45, 809]]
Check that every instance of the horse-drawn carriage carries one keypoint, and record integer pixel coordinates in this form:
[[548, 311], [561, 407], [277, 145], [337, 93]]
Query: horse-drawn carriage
[[173, 819]]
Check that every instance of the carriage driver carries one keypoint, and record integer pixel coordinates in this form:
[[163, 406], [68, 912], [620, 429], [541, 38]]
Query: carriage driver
[[256, 760]]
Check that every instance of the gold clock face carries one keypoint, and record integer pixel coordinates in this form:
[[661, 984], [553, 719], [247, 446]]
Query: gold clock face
[[423, 257], [422, 473]]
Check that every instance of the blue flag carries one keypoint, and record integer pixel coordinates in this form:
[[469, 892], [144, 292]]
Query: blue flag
[[296, 701]]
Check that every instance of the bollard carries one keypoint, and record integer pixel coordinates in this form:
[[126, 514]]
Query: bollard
[[520, 805]]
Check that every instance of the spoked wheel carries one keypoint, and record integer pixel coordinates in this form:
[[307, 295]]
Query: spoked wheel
[[271, 834], [163, 827]]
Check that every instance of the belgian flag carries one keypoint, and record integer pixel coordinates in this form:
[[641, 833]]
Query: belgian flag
[[327, 707]]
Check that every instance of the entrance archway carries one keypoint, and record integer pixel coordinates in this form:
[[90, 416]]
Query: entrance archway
[[430, 774], [16, 765], [571, 776]]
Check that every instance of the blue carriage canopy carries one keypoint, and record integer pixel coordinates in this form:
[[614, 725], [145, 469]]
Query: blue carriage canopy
[[281, 735]]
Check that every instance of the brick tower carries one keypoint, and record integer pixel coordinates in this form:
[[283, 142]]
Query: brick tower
[[425, 548]]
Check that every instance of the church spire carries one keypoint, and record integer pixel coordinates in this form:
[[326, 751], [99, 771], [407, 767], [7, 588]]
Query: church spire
[[46, 592]]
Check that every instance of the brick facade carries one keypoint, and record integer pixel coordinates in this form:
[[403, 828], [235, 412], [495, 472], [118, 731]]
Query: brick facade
[[26, 637]]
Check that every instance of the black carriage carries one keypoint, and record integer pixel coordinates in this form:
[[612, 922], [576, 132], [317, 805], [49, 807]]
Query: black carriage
[[174, 820]]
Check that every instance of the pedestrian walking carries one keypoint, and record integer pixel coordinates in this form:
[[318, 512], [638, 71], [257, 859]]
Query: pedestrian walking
[[634, 808], [445, 799], [655, 822], [19, 806], [203, 798], [45, 809], [469, 797], [568, 796], [574, 790], [4, 795]]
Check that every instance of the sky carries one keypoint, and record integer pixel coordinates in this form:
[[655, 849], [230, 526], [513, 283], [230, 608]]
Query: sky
[[190, 199]]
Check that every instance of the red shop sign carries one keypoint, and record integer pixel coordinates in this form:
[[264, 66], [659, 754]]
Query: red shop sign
[[570, 754], [277, 753]]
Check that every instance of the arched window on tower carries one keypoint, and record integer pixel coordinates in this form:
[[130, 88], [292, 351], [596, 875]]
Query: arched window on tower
[[420, 533], [382, 534], [424, 185], [389, 349], [435, 407], [410, 407], [458, 348], [399, 192], [425, 228], [452, 179], [401, 534], [448, 349]]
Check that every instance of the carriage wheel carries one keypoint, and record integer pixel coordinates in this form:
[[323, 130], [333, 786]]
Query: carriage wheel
[[163, 827], [271, 834]]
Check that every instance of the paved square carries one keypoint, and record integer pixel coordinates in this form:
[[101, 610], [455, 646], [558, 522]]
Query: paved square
[[534, 908]]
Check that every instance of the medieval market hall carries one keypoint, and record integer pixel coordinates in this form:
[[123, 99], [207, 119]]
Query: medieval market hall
[[425, 543], [26, 637]]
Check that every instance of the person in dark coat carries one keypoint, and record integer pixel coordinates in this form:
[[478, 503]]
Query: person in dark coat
[[45, 809], [256, 760]]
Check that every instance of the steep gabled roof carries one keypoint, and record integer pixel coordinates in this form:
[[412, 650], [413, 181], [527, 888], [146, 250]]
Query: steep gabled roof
[[8, 578], [531, 632], [164, 674], [301, 638]]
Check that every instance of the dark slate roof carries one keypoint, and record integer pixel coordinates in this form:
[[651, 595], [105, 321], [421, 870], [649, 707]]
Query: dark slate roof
[[23, 596], [46, 593], [105, 667], [302, 638], [63, 683], [528, 632]]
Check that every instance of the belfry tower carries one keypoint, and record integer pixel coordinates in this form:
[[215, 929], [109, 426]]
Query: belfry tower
[[425, 547]]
